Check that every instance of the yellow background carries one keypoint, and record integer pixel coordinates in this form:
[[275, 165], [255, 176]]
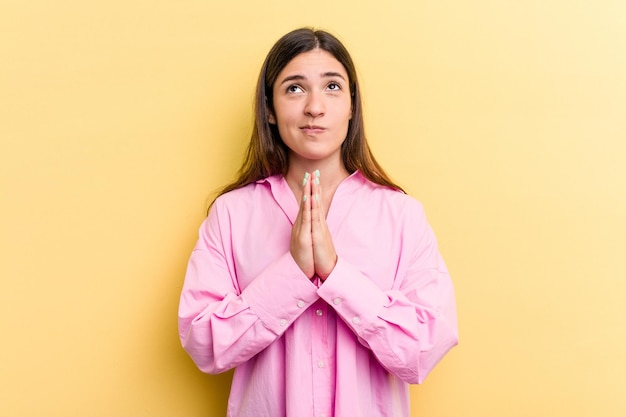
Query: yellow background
[[118, 119]]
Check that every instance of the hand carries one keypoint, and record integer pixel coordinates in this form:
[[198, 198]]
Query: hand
[[324, 255], [311, 243], [301, 241]]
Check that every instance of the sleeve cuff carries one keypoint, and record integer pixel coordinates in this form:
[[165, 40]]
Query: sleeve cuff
[[280, 294], [355, 298]]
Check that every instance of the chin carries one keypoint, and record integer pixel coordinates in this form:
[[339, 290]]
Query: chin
[[317, 156]]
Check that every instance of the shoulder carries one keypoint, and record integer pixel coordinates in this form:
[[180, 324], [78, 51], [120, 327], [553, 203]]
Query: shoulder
[[393, 199], [262, 197], [246, 196], [229, 207]]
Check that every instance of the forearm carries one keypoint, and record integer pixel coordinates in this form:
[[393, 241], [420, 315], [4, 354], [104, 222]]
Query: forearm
[[221, 329], [407, 337]]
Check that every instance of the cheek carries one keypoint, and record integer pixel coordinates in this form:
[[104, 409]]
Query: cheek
[[345, 109], [287, 118], [283, 114], [348, 114]]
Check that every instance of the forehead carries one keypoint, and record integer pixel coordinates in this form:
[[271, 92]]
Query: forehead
[[313, 63]]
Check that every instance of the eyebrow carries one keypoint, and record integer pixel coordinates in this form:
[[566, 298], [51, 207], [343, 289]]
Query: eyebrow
[[298, 77]]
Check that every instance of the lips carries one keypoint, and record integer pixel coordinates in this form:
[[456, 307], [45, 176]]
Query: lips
[[312, 129]]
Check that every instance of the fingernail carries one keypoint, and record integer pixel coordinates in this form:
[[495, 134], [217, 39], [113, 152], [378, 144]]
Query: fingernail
[[317, 197], [317, 173], [304, 197], [306, 177]]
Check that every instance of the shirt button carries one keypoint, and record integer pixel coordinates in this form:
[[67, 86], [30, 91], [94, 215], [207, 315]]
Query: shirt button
[[320, 364], [282, 322], [319, 312], [356, 320], [301, 304], [337, 301]]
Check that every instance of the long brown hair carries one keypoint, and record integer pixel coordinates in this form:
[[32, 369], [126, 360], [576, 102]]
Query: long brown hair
[[267, 155]]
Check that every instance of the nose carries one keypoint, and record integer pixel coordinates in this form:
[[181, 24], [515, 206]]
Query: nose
[[315, 106]]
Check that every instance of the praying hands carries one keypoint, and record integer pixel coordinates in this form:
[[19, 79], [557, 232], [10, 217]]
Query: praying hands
[[311, 243]]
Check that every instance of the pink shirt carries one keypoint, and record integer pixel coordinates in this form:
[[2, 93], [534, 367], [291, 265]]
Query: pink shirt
[[347, 347]]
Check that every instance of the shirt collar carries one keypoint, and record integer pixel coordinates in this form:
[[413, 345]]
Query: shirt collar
[[278, 183]]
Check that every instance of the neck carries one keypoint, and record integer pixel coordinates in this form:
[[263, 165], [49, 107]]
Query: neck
[[331, 174]]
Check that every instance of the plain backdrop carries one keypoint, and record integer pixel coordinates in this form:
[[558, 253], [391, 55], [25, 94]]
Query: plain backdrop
[[119, 120]]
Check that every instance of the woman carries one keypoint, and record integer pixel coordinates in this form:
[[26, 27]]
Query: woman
[[314, 275]]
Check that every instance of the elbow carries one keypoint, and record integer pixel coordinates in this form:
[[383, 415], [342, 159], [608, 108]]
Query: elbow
[[430, 358], [200, 352], [204, 360], [204, 354]]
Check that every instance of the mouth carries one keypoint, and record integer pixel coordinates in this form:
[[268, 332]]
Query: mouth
[[312, 129]]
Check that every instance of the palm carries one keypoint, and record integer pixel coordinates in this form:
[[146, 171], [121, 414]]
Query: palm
[[311, 243]]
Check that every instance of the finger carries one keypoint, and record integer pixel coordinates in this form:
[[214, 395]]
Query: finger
[[303, 199], [301, 243], [324, 255], [306, 202], [316, 198]]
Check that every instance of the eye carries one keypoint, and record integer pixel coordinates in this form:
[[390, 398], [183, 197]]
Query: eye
[[333, 86], [294, 88]]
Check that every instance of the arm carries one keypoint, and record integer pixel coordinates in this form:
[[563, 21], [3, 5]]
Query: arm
[[410, 327], [221, 326]]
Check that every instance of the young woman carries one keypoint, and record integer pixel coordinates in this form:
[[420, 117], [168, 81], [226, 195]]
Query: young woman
[[314, 275]]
